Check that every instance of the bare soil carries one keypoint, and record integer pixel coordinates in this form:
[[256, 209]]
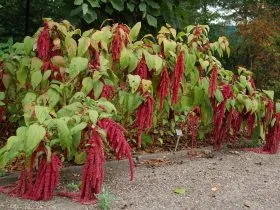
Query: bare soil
[[230, 179]]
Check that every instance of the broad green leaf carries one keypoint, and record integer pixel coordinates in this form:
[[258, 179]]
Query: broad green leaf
[[190, 58], [83, 45], [22, 76], [87, 85], [198, 95], [248, 104], [42, 113], [2, 96], [70, 110], [85, 8], [36, 78], [78, 2], [46, 75], [93, 116], [29, 98], [71, 46], [130, 6], [77, 65], [277, 107], [36, 64], [134, 82], [142, 7], [64, 133], [53, 97], [78, 128], [132, 63], [152, 21], [90, 16], [28, 44], [34, 135], [110, 108], [125, 58], [135, 31], [219, 95], [93, 3], [118, 5], [269, 93], [97, 89]]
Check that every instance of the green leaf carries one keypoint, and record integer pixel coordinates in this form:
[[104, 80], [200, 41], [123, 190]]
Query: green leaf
[[277, 107], [36, 64], [124, 58], [130, 6], [153, 4], [87, 85], [85, 8], [71, 46], [90, 16], [2, 96], [134, 82], [83, 45], [42, 113], [152, 21], [28, 44], [118, 5], [198, 95], [78, 2], [135, 31], [93, 116], [97, 89], [190, 61], [94, 3], [46, 75], [142, 7], [78, 128], [36, 78], [64, 133], [219, 95], [53, 97], [269, 93], [180, 190], [110, 108], [80, 158], [248, 104], [29, 98], [35, 134], [77, 65]]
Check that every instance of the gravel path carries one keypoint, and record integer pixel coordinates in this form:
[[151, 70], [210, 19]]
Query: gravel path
[[229, 180]]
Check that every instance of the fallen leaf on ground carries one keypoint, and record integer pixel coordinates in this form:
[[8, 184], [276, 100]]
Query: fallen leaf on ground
[[180, 190]]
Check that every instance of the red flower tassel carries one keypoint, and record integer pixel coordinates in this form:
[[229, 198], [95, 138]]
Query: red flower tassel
[[93, 172], [163, 86], [273, 137], [178, 74], [47, 178], [118, 40], [117, 141], [108, 91], [94, 62], [213, 82], [144, 117], [250, 124], [219, 113], [142, 69], [44, 44]]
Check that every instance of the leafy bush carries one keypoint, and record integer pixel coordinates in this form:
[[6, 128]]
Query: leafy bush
[[67, 90]]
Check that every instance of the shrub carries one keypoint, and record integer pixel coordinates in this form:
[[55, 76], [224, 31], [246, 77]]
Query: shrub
[[68, 89]]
